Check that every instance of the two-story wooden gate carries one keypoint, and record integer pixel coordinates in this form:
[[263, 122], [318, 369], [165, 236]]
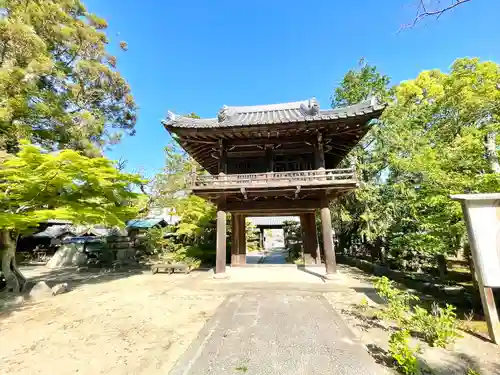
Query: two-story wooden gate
[[279, 159]]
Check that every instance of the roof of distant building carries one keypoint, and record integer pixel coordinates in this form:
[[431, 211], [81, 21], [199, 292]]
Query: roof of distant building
[[271, 220], [57, 221], [100, 231], [55, 231]]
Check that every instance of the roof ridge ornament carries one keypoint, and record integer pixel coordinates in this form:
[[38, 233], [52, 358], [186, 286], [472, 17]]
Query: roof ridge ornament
[[311, 108], [223, 113], [171, 116]]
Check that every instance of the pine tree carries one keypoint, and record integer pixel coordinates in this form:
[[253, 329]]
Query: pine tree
[[58, 85]]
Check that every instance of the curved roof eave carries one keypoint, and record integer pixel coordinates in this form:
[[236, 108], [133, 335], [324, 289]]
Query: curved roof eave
[[274, 114]]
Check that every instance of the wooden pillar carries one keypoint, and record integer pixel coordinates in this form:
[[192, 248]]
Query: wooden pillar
[[304, 230], [261, 238], [490, 311], [313, 237], [487, 297], [269, 159], [319, 153], [222, 157], [242, 240], [220, 264], [235, 246], [329, 250]]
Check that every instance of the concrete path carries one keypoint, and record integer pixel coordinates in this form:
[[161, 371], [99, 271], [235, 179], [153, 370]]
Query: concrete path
[[275, 256], [275, 332], [254, 258]]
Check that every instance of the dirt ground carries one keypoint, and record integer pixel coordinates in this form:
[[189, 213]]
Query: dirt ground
[[138, 323], [472, 351], [121, 324]]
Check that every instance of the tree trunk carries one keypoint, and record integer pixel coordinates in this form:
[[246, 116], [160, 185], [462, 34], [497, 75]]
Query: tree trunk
[[380, 245], [13, 277], [490, 145]]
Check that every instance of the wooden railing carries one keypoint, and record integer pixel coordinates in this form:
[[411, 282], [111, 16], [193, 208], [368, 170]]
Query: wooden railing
[[311, 177]]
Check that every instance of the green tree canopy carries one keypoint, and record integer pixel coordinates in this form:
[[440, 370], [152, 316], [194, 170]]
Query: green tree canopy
[[440, 138], [36, 186], [173, 182], [437, 137], [58, 85], [361, 84], [361, 212]]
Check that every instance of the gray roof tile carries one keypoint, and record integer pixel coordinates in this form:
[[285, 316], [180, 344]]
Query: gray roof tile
[[306, 110]]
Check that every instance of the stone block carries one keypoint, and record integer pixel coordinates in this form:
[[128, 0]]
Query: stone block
[[59, 289], [40, 291]]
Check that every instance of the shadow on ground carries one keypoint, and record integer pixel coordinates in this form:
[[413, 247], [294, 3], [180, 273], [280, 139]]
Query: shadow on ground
[[10, 302], [381, 356], [478, 335], [458, 363], [302, 267], [76, 279], [370, 293], [366, 316]]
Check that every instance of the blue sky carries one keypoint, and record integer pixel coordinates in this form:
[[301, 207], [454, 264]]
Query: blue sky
[[195, 56]]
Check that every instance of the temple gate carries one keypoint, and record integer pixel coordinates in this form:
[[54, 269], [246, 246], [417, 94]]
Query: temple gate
[[272, 160]]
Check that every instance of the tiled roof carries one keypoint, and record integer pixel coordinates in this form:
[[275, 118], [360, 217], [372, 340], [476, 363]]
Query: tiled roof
[[99, 231], [307, 110], [55, 231], [271, 220]]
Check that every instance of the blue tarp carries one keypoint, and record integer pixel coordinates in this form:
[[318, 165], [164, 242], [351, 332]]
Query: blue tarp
[[146, 223], [83, 240]]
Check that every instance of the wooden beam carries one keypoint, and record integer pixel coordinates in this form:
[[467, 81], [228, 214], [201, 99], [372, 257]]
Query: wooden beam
[[193, 140], [275, 205], [268, 141], [261, 153]]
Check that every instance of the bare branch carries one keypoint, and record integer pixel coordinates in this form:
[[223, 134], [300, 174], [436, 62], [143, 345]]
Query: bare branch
[[423, 10]]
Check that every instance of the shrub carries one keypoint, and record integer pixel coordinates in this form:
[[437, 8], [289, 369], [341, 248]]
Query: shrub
[[438, 328], [166, 248], [184, 254], [403, 355], [398, 301], [155, 241], [363, 305]]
